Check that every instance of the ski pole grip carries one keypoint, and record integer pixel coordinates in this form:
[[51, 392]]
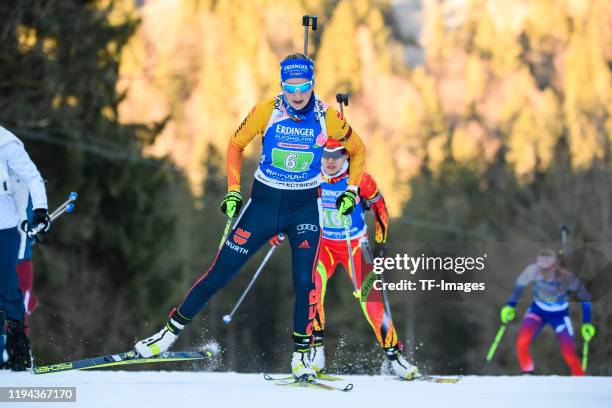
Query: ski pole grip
[[32, 232], [310, 21], [342, 99], [71, 197]]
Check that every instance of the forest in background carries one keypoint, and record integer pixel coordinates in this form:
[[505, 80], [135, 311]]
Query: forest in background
[[500, 135]]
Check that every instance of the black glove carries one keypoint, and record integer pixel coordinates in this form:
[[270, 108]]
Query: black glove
[[379, 249], [346, 202], [41, 216]]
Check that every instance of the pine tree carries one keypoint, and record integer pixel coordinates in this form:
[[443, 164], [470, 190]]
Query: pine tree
[[60, 69]]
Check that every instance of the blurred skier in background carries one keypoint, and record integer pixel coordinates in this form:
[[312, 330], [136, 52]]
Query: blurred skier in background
[[551, 285]]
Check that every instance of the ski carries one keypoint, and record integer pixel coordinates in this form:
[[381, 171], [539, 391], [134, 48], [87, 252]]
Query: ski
[[431, 378], [129, 357], [313, 384], [440, 380], [320, 376]]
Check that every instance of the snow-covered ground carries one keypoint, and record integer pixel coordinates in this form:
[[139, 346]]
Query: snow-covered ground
[[228, 390]]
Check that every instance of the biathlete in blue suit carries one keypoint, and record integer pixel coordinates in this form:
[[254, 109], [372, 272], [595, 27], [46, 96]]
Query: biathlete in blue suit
[[551, 285], [295, 126]]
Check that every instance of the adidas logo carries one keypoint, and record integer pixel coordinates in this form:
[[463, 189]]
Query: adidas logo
[[304, 244]]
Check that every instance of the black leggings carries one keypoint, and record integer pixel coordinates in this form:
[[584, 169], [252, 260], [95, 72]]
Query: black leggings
[[270, 211]]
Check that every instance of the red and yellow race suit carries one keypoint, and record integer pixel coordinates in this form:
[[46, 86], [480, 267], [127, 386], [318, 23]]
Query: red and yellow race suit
[[334, 251]]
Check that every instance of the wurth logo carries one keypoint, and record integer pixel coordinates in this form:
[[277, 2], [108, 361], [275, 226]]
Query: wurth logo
[[241, 236], [237, 248]]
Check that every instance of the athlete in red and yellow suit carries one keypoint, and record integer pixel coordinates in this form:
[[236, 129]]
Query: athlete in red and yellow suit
[[335, 251]]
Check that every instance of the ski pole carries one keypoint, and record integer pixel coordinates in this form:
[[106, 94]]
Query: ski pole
[[343, 100], [65, 207], [369, 258], [347, 234], [585, 355], [32, 232], [498, 337], [228, 317], [228, 226], [385, 297], [67, 210], [308, 21], [564, 234], [565, 231], [71, 197]]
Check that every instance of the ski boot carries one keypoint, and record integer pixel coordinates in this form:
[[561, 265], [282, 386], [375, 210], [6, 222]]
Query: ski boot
[[317, 359], [300, 367], [399, 365], [18, 347], [300, 361], [164, 339], [317, 353], [4, 357]]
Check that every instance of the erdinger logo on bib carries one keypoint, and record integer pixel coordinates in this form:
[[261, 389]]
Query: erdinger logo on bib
[[286, 130]]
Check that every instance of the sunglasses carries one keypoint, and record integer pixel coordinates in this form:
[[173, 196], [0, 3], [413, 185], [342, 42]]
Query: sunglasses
[[334, 155], [293, 88]]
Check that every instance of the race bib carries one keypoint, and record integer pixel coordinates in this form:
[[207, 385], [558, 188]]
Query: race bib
[[332, 219], [291, 161]]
